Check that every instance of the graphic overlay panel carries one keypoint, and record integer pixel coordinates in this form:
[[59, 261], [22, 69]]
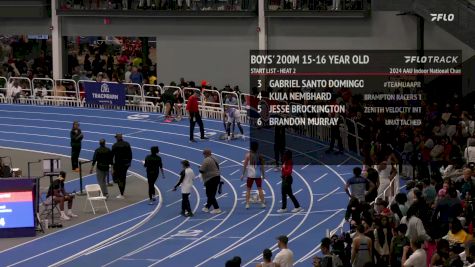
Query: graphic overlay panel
[[319, 104]]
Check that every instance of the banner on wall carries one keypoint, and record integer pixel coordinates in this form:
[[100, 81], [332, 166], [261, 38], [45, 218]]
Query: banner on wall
[[105, 93]]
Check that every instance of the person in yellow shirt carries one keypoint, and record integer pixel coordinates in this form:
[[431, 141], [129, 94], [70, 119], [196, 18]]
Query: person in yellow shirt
[[456, 234]]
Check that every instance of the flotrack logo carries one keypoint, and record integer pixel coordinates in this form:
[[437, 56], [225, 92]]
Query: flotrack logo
[[442, 17]]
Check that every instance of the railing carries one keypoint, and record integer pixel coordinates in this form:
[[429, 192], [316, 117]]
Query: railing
[[66, 92]]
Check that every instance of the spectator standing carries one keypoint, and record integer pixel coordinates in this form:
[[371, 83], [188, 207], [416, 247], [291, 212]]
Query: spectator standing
[[211, 177], [335, 135], [361, 252], [253, 168], [397, 245], [103, 157], [469, 153], [382, 240], [446, 210], [87, 64], [267, 259], [122, 158], [127, 74], [358, 184], [195, 117], [415, 227], [153, 164], [136, 76], [285, 257], [418, 257], [186, 181], [329, 259], [441, 255], [76, 140], [287, 180], [97, 64]]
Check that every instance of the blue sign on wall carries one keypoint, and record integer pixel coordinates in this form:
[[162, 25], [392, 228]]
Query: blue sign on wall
[[105, 93]]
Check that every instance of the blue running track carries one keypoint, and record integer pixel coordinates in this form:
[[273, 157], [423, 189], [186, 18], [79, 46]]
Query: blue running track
[[164, 238]]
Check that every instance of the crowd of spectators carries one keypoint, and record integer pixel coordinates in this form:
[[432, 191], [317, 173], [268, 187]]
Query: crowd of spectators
[[430, 222], [194, 5], [208, 5]]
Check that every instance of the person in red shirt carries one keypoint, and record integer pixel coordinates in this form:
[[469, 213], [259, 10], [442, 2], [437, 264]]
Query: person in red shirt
[[287, 167], [194, 114]]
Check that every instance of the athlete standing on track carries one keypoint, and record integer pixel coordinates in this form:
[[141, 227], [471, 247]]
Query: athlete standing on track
[[254, 168], [153, 164], [122, 154], [186, 180], [233, 116], [287, 180], [76, 139]]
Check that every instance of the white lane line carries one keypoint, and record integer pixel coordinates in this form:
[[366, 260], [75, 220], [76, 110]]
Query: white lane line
[[184, 135], [303, 168], [77, 240], [242, 185], [317, 248], [289, 234], [223, 195], [343, 162], [346, 173], [234, 172], [222, 162], [319, 178], [102, 244], [279, 182], [325, 196], [171, 204], [322, 194], [191, 245], [163, 238], [130, 134], [312, 212], [154, 212]]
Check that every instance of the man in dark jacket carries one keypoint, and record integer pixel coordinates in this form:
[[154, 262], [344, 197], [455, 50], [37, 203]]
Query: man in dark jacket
[[76, 139], [103, 157], [154, 165], [122, 158]]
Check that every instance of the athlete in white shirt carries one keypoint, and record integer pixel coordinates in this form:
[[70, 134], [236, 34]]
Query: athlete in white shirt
[[186, 180], [285, 258]]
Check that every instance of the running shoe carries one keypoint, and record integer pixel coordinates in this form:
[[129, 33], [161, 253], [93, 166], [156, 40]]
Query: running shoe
[[247, 205], [120, 197], [297, 209], [205, 209], [215, 211], [281, 210], [263, 205]]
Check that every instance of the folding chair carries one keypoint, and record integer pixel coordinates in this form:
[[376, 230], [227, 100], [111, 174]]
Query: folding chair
[[94, 193]]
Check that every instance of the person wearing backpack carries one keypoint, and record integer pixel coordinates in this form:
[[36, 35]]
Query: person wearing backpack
[[253, 167]]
